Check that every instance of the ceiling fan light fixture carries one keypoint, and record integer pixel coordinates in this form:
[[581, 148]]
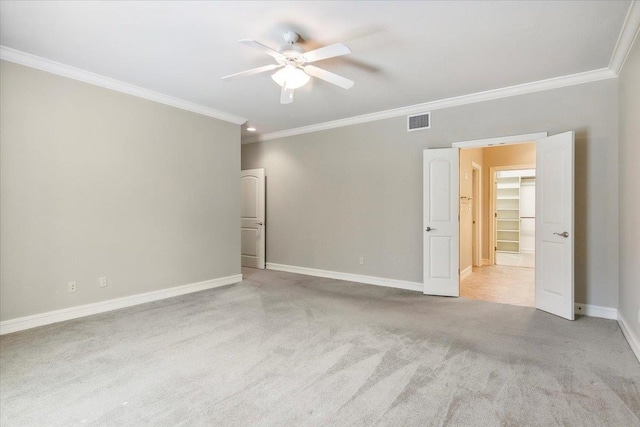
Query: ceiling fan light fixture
[[292, 61], [292, 76]]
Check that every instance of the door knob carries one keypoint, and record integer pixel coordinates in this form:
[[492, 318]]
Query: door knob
[[563, 234], [259, 223], [430, 229]]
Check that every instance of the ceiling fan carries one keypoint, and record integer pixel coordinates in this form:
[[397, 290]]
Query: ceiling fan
[[292, 61]]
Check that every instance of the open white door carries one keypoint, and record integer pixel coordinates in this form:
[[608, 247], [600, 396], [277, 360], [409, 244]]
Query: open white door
[[554, 225], [440, 222], [252, 227]]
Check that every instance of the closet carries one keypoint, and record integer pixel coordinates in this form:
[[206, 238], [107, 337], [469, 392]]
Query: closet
[[515, 210]]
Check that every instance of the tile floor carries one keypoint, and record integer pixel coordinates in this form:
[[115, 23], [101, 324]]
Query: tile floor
[[523, 259], [500, 283]]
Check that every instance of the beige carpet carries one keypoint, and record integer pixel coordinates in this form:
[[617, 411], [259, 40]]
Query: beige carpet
[[284, 349]]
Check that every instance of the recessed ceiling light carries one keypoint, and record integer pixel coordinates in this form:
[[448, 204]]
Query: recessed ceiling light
[[251, 129]]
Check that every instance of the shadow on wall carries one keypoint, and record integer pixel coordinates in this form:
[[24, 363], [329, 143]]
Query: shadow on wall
[[580, 212]]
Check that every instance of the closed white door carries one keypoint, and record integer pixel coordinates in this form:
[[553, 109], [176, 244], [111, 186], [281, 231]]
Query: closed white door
[[554, 225], [252, 228], [441, 244]]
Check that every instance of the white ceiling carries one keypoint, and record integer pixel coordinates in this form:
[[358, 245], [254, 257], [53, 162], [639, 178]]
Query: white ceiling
[[404, 53]]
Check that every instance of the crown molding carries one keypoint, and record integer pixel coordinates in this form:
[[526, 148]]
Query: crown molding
[[33, 61], [538, 86], [628, 35]]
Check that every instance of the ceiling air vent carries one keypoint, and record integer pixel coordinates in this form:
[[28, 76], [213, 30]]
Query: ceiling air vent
[[418, 122]]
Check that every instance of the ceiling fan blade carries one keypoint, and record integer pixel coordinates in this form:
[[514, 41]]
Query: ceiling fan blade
[[260, 46], [326, 52], [328, 76], [254, 71], [286, 95]]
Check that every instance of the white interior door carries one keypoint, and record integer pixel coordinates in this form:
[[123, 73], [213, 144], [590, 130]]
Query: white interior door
[[252, 228], [554, 224], [441, 244]]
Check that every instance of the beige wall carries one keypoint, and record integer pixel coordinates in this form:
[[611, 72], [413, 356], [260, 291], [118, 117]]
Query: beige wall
[[99, 183], [507, 155], [629, 226], [338, 194], [467, 158]]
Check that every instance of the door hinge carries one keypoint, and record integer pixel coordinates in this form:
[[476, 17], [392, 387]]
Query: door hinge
[[495, 214], [458, 272], [495, 248]]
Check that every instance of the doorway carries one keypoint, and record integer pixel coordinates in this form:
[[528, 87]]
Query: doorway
[[252, 218], [448, 213], [507, 274]]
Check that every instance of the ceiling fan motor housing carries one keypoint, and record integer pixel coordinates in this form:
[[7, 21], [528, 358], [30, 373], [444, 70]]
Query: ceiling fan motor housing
[[291, 55], [290, 37], [292, 52]]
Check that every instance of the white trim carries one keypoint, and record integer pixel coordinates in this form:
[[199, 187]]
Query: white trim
[[584, 309], [33, 61], [476, 206], [466, 272], [632, 339], [28, 322], [596, 311], [628, 34], [486, 261], [502, 140], [369, 280], [537, 86]]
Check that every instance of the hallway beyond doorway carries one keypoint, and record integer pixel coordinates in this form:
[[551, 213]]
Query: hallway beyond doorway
[[522, 259], [500, 283]]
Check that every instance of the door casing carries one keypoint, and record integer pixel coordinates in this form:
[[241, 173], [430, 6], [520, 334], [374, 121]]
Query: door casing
[[476, 203], [509, 140]]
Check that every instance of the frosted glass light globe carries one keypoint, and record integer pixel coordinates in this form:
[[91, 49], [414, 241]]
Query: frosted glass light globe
[[293, 77]]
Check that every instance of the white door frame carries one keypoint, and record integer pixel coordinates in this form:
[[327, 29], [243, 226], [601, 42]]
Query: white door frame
[[476, 203], [503, 140], [492, 204], [560, 300]]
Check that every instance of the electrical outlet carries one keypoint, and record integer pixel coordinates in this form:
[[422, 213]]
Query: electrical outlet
[[361, 260], [102, 282], [73, 287]]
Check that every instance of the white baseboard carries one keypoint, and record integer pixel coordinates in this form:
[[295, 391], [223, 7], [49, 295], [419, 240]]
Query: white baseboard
[[464, 273], [632, 339], [582, 309], [370, 280], [596, 311], [28, 322]]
